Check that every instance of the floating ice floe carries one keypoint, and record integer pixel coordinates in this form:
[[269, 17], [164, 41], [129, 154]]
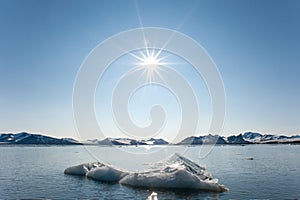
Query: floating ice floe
[[97, 171], [153, 196], [176, 172]]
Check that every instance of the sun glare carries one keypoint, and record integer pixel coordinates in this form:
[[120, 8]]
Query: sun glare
[[150, 63], [151, 60]]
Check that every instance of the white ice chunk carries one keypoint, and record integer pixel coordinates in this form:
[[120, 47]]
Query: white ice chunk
[[97, 171], [81, 170], [176, 172], [106, 173], [153, 196]]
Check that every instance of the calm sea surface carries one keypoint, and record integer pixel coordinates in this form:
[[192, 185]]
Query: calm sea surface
[[37, 172]]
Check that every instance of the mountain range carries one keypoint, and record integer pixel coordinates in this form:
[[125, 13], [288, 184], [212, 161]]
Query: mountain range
[[245, 138], [29, 138], [127, 141]]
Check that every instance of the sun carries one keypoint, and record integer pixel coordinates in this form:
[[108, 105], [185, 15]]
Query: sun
[[150, 62]]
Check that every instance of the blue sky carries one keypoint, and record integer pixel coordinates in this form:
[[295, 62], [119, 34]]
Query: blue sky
[[255, 45]]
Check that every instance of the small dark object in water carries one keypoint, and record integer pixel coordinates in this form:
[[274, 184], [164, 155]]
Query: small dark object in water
[[249, 158]]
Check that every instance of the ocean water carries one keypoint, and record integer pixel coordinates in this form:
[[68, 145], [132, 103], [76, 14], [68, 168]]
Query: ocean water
[[36, 172]]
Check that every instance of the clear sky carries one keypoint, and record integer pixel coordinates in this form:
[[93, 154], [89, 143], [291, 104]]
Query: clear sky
[[255, 45]]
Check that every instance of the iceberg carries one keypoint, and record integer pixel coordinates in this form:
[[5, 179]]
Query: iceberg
[[173, 173], [97, 171], [153, 196]]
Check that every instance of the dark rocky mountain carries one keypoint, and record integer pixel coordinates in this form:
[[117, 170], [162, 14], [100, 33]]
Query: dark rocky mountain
[[207, 139], [237, 140], [295, 137], [213, 139], [156, 141], [193, 140], [29, 138]]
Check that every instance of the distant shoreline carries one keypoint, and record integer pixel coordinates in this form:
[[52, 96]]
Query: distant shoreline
[[103, 145], [247, 138]]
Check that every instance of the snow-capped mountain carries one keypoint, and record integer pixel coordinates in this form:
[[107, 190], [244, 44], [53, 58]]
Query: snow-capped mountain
[[257, 137], [246, 138], [127, 141], [29, 138], [269, 138], [154, 141], [252, 137], [239, 139]]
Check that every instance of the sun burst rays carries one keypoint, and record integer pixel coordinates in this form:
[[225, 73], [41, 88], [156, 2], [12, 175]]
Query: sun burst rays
[[151, 63]]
